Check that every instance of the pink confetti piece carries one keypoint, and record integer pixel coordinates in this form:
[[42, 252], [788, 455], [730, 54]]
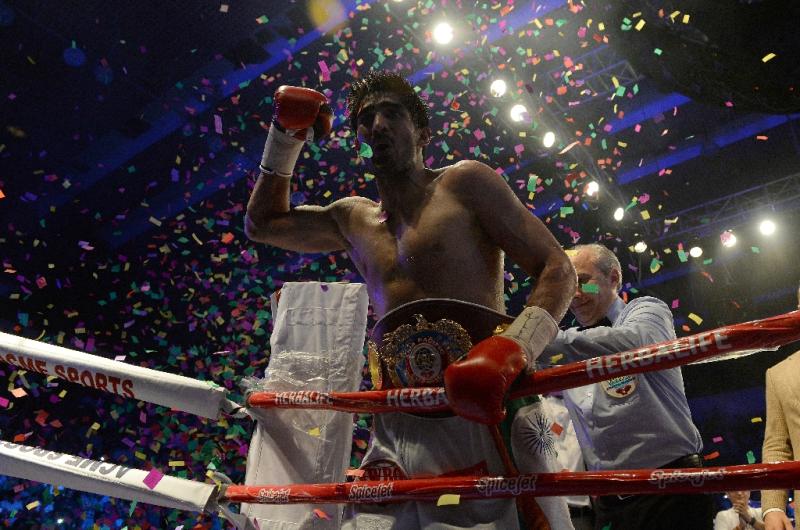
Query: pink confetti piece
[[326, 73], [153, 478], [716, 439]]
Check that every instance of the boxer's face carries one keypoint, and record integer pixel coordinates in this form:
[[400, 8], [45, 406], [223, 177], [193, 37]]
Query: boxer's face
[[596, 291], [386, 125]]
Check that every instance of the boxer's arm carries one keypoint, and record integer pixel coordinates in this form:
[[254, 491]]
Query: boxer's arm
[[521, 235], [270, 219]]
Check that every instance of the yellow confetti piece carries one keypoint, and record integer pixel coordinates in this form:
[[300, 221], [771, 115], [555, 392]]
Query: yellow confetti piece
[[555, 358], [768, 57], [95, 426], [314, 431], [140, 456], [448, 499], [32, 505], [176, 463], [639, 25], [685, 18], [695, 318], [757, 419]]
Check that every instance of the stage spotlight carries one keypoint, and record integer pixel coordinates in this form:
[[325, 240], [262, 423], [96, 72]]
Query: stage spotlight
[[443, 33], [549, 139], [767, 227], [640, 247], [728, 239], [695, 252], [518, 112], [592, 188], [619, 213], [497, 88]]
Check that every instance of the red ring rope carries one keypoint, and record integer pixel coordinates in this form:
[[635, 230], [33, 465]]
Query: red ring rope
[[782, 475], [757, 334]]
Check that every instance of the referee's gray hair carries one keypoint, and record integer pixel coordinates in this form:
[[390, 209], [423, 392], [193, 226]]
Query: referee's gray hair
[[605, 260]]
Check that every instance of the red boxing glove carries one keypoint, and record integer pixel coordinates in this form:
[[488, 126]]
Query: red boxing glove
[[477, 384], [301, 114], [299, 109]]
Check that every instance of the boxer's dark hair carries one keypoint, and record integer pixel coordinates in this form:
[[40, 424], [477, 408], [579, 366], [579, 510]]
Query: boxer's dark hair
[[382, 81]]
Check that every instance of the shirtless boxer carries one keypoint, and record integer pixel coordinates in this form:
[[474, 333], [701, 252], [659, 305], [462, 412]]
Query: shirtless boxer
[[436, 234]]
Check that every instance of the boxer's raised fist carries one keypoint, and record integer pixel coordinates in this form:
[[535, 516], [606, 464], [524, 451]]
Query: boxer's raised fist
[[478, 383], [300, 114], [297, 109]]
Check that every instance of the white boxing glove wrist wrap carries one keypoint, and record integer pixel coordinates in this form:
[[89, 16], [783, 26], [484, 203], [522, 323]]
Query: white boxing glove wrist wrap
[[534, 329], [281, 151]]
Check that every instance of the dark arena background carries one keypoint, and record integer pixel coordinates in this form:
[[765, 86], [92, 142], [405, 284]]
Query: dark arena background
[[132, 131]]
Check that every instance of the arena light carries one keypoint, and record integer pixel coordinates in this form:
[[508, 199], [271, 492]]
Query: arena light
[[695, 252], [640, 247], [518, 112], [619, 213], [443, 33], [549, 139], [728, 239], [497, 88], [592, 188], [767, 227]]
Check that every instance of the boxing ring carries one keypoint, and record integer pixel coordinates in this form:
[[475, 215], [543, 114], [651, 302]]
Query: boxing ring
[[211, 401]]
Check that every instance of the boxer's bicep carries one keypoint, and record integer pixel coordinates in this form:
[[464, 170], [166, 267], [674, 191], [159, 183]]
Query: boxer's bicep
[[302, 229]]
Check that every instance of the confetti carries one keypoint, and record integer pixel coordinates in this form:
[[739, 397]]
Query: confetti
[[153, 478], [448, 499]]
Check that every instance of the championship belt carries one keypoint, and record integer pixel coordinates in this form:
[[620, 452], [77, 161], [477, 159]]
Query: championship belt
[[412, 345]]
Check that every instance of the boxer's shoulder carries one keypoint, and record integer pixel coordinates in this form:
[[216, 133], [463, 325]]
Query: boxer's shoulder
[[466, 172], [355, 207]]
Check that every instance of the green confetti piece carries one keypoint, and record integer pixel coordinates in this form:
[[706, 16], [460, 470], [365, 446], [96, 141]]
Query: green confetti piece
[[751, 458], [591, 288], [682, 256], [658, 51], [755, 250], [655, 265], [364, 150], [566, 210]]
